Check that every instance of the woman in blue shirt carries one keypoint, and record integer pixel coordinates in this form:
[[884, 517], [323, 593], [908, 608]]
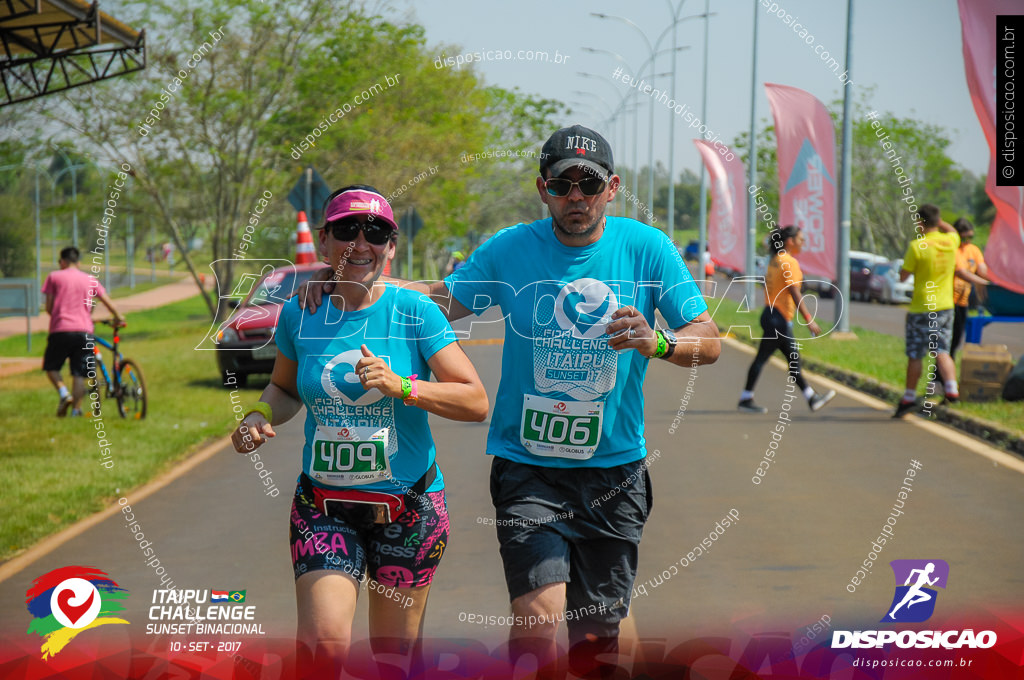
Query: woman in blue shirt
[[370, 498]]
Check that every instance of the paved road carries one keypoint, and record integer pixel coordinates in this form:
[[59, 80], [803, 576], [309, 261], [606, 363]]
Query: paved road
[[888, 319], [800, 537]]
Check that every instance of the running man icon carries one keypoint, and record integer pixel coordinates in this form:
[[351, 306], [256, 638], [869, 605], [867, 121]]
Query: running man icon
[[922, 573], [915, 595]]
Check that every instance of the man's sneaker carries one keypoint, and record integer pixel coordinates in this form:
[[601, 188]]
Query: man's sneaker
[[748, 406], [951, 399], [904, 407], [62, 407], [76, 413], [819, 400]]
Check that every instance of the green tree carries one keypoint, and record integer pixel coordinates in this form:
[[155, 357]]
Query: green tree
[[264, 102], [983, 210], [882, 211], [16, 236], [17, 213], [687, 202], [767, 177]]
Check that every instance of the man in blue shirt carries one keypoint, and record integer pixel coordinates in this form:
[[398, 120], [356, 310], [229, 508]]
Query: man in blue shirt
[[569, 481]]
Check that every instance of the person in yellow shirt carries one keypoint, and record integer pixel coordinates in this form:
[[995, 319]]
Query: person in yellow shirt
[[931, 259], [970, 269], [782, 283]]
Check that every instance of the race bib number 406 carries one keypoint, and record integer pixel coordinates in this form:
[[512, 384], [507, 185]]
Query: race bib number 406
[[561, 428], [345, 456]]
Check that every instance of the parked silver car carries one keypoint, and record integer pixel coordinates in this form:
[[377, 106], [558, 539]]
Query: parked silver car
[[885, 285]]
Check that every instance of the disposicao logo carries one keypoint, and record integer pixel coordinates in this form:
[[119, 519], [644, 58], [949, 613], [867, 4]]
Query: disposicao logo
[[69, 600], [914, 602]]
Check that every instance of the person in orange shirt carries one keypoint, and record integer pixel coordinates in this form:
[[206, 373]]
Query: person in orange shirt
[[970, 269], [782, 283]]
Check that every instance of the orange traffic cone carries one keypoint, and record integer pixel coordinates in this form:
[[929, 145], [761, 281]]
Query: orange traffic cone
[[305, 253]]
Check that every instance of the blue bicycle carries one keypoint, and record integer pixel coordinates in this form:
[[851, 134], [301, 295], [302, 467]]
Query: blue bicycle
[[125, 384]]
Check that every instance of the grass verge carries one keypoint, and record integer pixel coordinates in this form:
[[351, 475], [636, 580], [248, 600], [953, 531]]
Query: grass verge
[[142, 284], [52, 470], [879, 366]]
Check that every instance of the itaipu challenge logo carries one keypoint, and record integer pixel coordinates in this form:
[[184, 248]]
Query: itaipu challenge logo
[[70, 600]]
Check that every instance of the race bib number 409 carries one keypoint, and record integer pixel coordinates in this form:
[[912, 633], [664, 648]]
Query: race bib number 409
[[349, 456], [561, 428]]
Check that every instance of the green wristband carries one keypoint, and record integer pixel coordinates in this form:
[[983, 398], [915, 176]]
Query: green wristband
[[263, 408], [662, 345], [406, 388]]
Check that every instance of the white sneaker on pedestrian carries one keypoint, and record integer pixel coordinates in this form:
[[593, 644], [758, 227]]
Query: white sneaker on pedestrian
[[748, 406], [818, 401]]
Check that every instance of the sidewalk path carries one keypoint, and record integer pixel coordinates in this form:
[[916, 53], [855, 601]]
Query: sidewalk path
[[156, 297]]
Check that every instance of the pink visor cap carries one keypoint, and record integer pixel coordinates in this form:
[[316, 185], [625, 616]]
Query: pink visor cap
[[360, 202]]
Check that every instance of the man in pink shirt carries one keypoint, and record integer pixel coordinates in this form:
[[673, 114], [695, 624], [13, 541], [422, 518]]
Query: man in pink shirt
[[69, 293]]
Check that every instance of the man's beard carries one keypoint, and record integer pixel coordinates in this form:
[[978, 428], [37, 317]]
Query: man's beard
[[577, 234]]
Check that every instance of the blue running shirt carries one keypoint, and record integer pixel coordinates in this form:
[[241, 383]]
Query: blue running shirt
[[357, 438], [566, 399]]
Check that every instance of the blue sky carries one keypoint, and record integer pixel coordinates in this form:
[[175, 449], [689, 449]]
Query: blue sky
[[910, 52]]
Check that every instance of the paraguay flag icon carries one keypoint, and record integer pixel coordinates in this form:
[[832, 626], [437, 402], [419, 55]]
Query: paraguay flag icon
[[218, 596], [914, 601], [70, 600]]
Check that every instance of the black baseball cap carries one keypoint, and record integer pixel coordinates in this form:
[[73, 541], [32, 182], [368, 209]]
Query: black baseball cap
[[576, 146]]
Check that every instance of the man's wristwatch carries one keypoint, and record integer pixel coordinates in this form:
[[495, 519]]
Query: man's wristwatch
[[670, 338]]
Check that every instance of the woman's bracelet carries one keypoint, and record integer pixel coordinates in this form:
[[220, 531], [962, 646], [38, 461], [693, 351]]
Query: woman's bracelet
[[263, 408]]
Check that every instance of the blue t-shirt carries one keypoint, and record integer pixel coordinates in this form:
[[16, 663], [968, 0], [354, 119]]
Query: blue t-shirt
[[566, 399], [357, 438]]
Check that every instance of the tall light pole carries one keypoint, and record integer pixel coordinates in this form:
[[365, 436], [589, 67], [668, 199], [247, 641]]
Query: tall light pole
[[752, 171], [650, 126], [621, 107], [53, 196], [672, 132], [843, 265], [650, 123], [636, 117], [702, 224], [74, 193], [676, 20], [39, 274], [636, 136], [650, 141], [608, 122]]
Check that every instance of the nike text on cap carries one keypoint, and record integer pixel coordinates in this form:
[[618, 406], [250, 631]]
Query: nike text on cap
[[576, 146]]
